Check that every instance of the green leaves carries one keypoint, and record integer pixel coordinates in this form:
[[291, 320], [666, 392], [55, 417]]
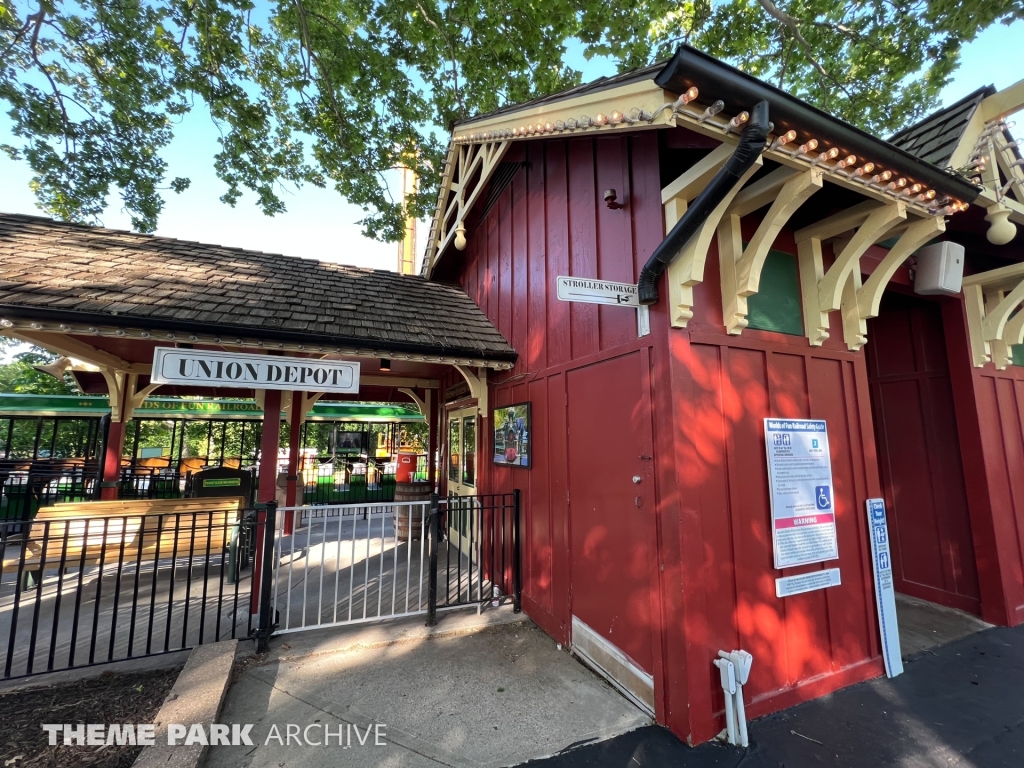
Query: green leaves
[[338, 92]]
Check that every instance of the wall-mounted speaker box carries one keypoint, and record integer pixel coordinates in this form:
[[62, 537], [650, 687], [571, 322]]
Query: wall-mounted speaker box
[[940, 269]]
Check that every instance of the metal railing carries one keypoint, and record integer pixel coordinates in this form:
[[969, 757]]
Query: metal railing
[[81, 591], [345, 564], [349, 564], [24, 492], [151, 483], [341, 483], [478, 549]]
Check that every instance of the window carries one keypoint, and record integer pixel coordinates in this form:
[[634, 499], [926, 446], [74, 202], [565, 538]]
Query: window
[[469, 449], [776, 305], [454, 447], [1017, 354]]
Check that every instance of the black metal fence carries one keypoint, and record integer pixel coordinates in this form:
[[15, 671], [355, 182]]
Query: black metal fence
[[24, 492], [78, 591], [152, 483], [477, 549], [343, 482], [81, 591]]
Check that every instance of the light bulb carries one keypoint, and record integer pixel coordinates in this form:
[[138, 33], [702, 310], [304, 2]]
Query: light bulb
[[600, 119], [690, 95], [549, 127], [914, 189], [882, 177], [809, 146], [740, 119], [848, 161], [865, 169], [615, 117]]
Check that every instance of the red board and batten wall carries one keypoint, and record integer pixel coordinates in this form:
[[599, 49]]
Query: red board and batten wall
[[990, 419], [706, 520], [710, 521]]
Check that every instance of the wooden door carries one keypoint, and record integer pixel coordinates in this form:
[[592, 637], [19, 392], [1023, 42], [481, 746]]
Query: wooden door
[[919, 454], [611, 505]]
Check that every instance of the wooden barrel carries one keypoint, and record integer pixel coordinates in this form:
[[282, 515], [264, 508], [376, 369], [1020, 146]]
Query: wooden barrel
[[411, 513]]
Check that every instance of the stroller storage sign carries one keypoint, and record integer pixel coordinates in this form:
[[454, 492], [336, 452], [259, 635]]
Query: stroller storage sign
[[800, 485]]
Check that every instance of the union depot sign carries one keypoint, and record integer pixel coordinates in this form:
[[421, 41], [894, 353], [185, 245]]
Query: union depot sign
[[246, 371]]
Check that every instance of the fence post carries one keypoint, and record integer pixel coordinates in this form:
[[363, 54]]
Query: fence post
[[266, 574], [432, 539], [517, 586]]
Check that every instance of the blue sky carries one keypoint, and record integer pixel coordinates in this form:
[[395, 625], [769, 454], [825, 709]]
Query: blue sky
[[319, 224]]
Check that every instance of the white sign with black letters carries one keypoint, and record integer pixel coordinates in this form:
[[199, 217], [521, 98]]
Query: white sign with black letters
[[247, 371], [590, 291], [885, 589]]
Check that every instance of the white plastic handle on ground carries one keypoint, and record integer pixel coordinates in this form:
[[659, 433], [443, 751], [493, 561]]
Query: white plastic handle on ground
[[736, 666], [728, 672]]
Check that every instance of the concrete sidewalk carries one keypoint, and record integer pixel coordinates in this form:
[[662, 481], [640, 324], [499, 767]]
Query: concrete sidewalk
[[956, 706], [488, 690]]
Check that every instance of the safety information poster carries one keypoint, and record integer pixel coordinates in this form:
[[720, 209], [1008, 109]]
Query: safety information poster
[[800, 485]]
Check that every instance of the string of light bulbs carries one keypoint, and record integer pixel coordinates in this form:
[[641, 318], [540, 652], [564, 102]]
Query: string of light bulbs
[[830, 160]]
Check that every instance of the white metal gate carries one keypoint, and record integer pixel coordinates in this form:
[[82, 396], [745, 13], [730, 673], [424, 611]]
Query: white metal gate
[[349, 563], [345, 564]]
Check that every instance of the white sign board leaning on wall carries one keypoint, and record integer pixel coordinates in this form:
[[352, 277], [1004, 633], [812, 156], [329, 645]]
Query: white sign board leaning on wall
[[246, 371]]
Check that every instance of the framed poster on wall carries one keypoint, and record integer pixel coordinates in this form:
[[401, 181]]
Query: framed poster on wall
[[800, 481], [512, 435]]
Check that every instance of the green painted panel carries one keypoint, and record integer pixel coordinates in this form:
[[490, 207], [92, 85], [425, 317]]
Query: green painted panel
[[74, 405], [776, 305], [1018, 354]]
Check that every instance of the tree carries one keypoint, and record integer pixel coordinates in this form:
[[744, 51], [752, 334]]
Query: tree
[[337, 92], [19, 377]]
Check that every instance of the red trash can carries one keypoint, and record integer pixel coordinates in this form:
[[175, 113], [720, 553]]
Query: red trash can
[[406, 467]]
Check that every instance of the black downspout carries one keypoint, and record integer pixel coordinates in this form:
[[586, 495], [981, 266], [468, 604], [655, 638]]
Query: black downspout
[[750, 147]]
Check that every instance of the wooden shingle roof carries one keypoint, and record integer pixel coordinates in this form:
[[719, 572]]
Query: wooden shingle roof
[[935, 138], [64, 272]]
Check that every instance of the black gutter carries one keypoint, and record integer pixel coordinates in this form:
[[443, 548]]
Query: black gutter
[[718, 81], [223, 330], [752, 143]]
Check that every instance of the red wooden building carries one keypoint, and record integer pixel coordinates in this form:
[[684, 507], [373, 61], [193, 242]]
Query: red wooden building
[[648, 543], [778, 266]]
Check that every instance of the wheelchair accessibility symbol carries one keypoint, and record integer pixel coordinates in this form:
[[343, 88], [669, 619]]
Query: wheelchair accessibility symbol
[[823, 497]]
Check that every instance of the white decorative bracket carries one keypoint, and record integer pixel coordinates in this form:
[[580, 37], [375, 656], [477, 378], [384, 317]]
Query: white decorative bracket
[[477, 387], [991, 298], [306, 402], [136, 399], [467, 173], [117, 383], [687, 269], [741, 267], [424, 409], [824, 292]]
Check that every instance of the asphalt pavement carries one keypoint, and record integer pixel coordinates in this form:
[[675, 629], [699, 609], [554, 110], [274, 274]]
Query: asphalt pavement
[[960, 705]]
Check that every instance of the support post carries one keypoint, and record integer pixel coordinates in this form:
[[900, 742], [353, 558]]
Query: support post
[[101, 455], [517, 587], [433, 431], [267, 489], [264, 565], [432, 538], [294, 447], [110, 473]]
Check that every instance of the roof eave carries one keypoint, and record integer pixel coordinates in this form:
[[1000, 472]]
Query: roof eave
[[49, 320], [739, 91]]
